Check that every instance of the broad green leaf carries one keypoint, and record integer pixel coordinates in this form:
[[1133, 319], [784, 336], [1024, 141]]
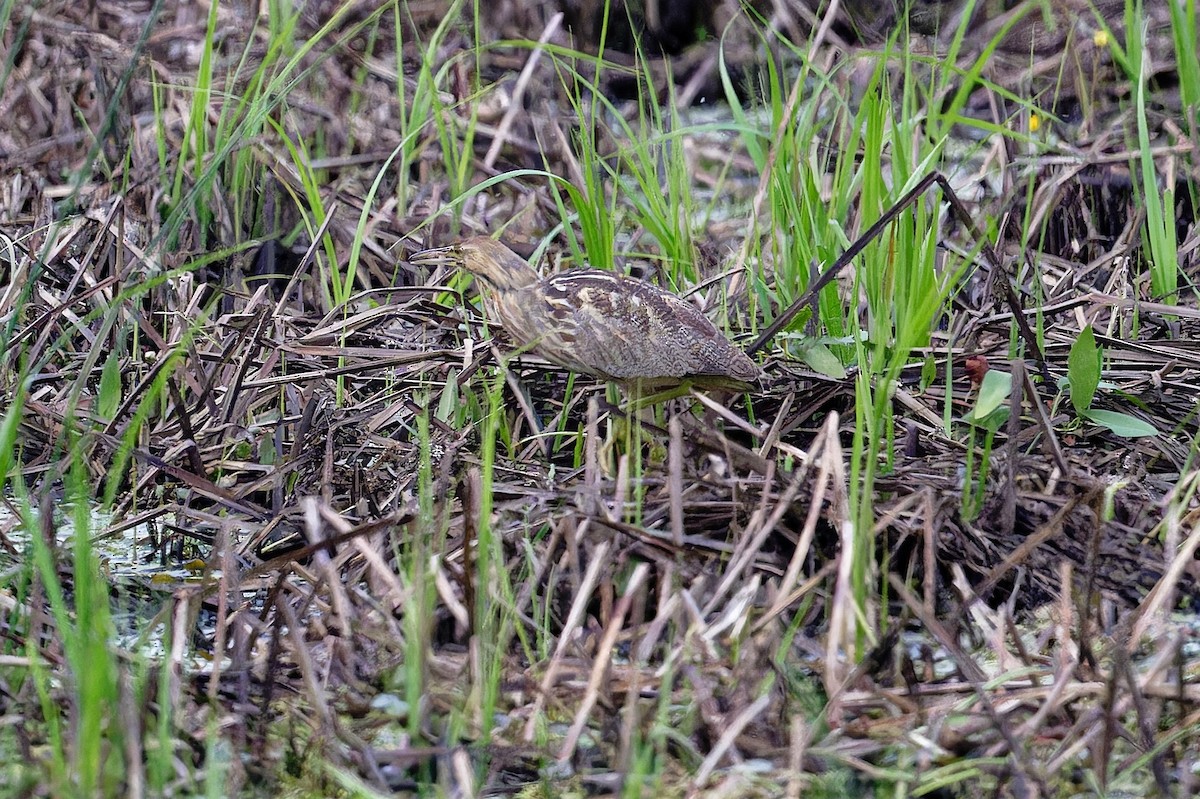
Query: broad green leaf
[[823, 361], [993, 421], [993, 391], [1121, 423], [1083, 370], [449, 399]]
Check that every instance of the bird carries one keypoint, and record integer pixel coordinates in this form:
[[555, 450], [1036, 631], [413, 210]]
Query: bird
[[599, 323]]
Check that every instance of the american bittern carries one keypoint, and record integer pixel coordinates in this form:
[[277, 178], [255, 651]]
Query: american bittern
[[599, 323]]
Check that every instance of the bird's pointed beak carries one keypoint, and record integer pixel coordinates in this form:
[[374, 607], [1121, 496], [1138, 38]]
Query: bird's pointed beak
[[438, 256]]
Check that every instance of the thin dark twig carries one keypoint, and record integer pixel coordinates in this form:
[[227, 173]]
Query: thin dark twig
[[825, 278], [809, 297]]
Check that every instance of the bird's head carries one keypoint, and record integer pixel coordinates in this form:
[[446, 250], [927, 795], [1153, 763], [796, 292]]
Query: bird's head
[[501, 268]]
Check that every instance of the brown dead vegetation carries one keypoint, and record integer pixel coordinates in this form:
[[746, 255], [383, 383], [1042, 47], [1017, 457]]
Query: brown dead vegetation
[[287, 452]]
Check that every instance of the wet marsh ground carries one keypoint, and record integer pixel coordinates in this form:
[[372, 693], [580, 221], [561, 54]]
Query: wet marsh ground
[[947, 547]]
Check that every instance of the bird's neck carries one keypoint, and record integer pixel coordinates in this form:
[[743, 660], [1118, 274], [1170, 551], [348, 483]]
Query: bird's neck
[[511, 273]]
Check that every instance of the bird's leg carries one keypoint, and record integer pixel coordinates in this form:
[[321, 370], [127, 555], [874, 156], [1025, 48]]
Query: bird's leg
[[557, 429], [616, 432], [640, 416], [651, 409], [627, 417]]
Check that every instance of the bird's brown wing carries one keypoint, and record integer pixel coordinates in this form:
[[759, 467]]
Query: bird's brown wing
[[626, 329]]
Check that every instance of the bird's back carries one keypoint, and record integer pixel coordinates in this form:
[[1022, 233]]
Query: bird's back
[[623, 329]]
